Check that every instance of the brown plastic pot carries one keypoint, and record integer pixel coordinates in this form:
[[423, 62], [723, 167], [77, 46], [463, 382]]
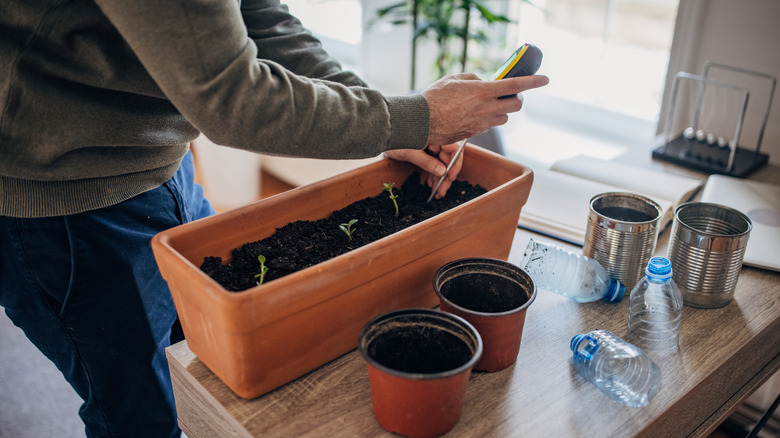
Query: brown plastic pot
[[419, 362], [493, 295], [266, 336]]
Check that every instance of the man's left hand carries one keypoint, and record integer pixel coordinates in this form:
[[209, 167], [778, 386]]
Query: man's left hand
[[433, 161]]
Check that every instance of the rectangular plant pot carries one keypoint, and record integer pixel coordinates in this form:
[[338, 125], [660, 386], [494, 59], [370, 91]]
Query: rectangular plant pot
[[261, 338]]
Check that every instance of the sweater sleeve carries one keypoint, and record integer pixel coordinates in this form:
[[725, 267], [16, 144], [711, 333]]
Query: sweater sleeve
[[237, 74], [281, 37]]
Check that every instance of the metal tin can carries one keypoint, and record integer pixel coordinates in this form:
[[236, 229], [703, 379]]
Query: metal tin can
[[622, 233], [706, 249]]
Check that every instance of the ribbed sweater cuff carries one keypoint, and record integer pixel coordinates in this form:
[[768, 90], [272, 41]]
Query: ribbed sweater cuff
[[409, 122]]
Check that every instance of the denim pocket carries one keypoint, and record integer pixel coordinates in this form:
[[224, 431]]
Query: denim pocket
[[178, 199], [188, 196], [48, 257]]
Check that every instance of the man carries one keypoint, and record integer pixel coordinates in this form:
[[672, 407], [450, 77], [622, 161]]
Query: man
[[99, 101]]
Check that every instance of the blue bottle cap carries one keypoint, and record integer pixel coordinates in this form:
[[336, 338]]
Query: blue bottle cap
[[575, 341], [615, 291], [586, 353], [659, 268]]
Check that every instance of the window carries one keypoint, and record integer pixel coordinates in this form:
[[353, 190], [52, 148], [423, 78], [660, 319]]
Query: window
[[337, 23], [607, 62], [606, 59]]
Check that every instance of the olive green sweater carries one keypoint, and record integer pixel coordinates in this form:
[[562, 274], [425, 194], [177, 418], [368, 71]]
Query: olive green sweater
[[100, 99]]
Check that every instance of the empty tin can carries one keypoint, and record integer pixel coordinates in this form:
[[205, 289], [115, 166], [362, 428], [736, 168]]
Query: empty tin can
[[706, 248], [622, 233]]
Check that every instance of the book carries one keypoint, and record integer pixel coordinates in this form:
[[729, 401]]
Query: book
[[559, 202], [760, 202]]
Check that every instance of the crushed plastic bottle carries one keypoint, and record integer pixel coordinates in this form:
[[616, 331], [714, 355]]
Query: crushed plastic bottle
[[567, 273], [655, 308], [619, 369]]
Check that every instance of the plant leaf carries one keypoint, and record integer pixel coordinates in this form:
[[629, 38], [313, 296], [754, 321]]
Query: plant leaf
[[381, 12]]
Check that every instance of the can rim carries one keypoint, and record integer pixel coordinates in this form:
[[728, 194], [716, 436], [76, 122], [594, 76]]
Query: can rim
[[748, 224], [633, 196]]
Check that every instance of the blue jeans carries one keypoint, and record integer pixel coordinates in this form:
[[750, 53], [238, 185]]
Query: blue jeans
[[86, 290]]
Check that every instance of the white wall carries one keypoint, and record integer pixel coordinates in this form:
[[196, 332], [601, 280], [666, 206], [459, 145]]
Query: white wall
[[742, 33]]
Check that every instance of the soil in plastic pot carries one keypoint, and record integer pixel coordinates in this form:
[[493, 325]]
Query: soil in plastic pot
[[419, 349], [496, 293]]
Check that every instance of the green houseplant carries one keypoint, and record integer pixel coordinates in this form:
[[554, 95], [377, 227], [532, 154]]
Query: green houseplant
[[443, 21]]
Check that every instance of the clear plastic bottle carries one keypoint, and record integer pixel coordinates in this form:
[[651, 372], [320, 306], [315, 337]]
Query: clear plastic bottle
[[655, 308], [567, 273], [620, 370]]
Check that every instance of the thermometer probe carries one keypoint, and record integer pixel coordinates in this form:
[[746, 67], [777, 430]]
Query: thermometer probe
[[524, 62]]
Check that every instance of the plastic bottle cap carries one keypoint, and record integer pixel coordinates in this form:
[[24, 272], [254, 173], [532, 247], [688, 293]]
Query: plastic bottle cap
[[575, 341], [659, 268], [586, 354], [615, 291]]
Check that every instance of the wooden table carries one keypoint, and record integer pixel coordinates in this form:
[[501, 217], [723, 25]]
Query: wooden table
[[724, 355]]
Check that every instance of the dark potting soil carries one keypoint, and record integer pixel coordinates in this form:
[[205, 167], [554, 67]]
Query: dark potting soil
[[484, 292], [301, 244], [419, 348], [625, 214]]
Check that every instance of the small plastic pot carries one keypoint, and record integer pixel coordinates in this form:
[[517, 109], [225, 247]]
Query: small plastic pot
[[493, 295], [419, 362]]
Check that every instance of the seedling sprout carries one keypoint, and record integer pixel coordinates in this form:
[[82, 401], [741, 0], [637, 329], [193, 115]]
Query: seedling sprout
[[389, 188], [263, 270], [347, 228]]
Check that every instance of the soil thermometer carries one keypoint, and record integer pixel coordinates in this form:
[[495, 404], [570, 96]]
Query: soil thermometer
[[524, 62]]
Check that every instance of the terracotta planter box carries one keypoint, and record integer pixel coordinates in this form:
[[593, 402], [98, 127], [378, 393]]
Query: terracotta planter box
[[261, 338]]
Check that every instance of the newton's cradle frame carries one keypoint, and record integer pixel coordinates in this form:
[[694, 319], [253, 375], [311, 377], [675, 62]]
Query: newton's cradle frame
[[704, 151]]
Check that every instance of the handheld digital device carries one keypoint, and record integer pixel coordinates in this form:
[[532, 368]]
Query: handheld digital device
[[524, 62]]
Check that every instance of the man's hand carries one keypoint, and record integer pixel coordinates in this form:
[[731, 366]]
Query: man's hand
[[434, 161], [462, 105]]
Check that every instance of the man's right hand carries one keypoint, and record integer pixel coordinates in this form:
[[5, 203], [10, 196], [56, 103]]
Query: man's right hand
[[461, 106]]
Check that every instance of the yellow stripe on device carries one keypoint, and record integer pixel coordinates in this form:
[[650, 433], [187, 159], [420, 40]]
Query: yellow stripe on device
[[525, 61]]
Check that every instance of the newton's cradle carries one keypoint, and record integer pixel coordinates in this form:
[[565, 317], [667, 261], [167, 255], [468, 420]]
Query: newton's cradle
[[705, 136]]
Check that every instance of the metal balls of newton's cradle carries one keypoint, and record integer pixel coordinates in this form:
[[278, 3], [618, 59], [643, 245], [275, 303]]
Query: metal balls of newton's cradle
[[699, 135]]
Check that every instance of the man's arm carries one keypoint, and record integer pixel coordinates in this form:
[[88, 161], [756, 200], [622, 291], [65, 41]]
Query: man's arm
[[200, 54]]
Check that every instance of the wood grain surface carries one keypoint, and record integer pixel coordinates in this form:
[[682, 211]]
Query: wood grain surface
[[723, 356]]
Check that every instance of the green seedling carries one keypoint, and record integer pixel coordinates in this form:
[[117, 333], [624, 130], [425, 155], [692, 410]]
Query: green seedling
[[347, 228], [389, 189], [263, 270]]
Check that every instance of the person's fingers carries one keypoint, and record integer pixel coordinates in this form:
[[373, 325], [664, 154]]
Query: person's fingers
[[433, 149], [455, 169], [431, 180], [433, 162], [516, 85], [445, 186], [447, 152], [446, 155], [420, 159], [466, 76]]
